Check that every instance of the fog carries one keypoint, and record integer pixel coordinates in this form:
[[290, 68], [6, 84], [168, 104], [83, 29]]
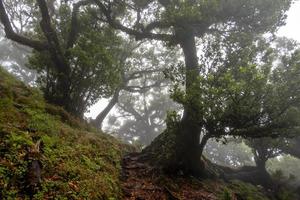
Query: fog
[[140, 86]]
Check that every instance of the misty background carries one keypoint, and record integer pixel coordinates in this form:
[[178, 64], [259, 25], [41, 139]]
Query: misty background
[[138, 113]]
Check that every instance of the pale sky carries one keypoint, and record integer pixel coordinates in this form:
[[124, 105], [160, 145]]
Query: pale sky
[[290, 30]]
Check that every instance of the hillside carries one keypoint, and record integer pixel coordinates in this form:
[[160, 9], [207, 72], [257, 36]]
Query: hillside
[[72, 161], [45, 153]]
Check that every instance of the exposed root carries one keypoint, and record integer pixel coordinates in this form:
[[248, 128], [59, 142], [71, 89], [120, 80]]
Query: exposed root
[[144, 182]]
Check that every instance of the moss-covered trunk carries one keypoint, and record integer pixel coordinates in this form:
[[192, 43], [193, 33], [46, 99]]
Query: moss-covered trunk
[[179, 147], [189, 132]]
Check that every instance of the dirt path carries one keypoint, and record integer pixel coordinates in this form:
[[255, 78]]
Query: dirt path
[[141, 182]]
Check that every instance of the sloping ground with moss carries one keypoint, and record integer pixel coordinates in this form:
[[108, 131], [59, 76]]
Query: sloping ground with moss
[[47, 154]]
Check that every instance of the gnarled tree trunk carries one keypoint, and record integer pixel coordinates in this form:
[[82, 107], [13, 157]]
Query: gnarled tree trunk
[[181, 147], [189, 133]]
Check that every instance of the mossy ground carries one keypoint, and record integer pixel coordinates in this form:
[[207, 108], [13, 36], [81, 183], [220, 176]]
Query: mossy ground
[[77, 161]]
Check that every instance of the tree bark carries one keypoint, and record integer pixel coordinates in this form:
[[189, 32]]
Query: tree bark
[[189, 133], [11, 34], [98, 122], [62, 98], [180, 143]]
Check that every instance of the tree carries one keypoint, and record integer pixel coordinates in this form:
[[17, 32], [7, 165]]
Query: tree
[[13, 58], [141, 67], [141, 95], [243, 93], [180, 22], [73, 52], [263, 150], [267, 148], [287, 55], [144, 114]]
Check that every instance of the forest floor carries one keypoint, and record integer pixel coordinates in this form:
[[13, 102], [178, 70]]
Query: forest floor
[[142, 182]]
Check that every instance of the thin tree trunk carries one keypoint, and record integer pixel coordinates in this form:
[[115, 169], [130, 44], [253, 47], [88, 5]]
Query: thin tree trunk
[[98, 122], [203, 143]]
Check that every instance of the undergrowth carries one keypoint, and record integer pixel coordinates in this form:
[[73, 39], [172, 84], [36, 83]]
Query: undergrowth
[[77, 162]]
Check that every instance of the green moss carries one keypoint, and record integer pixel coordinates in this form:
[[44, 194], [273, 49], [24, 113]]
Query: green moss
[[63, 116], [286, 194], [40, 121], [77, 164], [165, 142], [234, 190], [227, 195], [246, 191]]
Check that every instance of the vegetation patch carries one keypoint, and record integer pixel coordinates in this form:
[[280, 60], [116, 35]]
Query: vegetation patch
[[75, 163]]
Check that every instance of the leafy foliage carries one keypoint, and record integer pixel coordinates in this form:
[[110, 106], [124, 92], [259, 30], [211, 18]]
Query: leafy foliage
[[239, 89], [93, 68]]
